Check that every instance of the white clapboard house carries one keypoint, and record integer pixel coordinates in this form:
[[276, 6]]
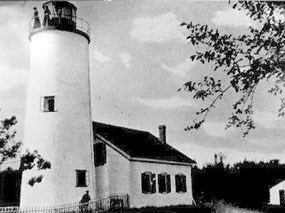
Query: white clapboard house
[[139, 164]]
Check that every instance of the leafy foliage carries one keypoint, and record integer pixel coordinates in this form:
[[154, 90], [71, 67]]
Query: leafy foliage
[[9, 149], [246, 60]]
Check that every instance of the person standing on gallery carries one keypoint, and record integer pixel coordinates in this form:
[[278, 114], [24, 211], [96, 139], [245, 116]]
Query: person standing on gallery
[[46, 21], [37, 22]]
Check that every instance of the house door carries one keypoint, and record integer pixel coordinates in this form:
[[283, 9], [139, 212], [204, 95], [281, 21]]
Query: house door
[[282, 197]]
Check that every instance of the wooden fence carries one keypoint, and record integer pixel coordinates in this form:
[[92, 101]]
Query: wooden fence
[[113, 202]]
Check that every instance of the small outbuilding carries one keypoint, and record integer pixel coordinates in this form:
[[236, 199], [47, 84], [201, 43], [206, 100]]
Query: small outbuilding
[[277, 194]]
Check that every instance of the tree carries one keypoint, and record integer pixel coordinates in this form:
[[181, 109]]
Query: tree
[[246, 60], [245, 184], [9, 149]]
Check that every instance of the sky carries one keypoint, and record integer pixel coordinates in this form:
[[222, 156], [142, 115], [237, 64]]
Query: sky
[[139, 58]]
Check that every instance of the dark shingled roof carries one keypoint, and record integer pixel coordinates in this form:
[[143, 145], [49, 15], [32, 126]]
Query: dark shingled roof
[[139, 144]]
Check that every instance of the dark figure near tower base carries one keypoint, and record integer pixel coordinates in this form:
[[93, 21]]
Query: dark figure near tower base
[[85, 202]]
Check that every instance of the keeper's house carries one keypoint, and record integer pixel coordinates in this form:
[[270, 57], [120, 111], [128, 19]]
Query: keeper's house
[[139, 164]]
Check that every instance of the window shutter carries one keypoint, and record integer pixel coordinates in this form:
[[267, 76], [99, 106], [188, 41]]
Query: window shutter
[[184, 188], [145, 182], [168, 184], [160, 182], [177, 183], [153, 183]]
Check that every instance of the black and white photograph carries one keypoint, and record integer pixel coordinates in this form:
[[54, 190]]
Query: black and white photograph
[[142, 106]]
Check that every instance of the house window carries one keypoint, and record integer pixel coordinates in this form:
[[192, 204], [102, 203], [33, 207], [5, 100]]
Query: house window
[[164, 185], [148, 183], [180, 182], [48, 104], [81, 178], [99, 154]]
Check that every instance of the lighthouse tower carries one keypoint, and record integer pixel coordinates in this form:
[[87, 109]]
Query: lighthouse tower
[[58, 112]]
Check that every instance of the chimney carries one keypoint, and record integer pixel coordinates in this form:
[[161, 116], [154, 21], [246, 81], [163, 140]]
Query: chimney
[[162, 133]]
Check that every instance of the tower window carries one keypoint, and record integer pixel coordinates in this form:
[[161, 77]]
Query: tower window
[[48, 104], [81, 178]]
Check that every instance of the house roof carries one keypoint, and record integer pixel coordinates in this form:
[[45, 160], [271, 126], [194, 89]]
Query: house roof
[[139, 144], [276, 183]]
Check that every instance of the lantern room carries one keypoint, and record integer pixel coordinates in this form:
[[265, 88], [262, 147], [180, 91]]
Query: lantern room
[[60, 15]]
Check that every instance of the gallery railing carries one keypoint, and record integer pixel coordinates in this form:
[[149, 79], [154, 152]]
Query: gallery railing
[[62, 22]]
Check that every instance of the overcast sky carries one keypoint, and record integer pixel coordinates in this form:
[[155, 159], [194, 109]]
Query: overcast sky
[[139, 57]]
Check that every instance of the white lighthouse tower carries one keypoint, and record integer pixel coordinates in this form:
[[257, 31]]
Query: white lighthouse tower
[[58, 112]]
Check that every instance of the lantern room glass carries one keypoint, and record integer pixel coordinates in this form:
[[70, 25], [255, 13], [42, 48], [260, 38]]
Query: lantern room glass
[[62, 14]]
